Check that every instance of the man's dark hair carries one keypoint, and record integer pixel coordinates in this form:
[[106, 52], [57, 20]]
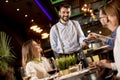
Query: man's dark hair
[[65, 6]]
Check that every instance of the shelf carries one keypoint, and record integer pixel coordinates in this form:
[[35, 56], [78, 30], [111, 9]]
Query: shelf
[[76, 14], [56, 1]]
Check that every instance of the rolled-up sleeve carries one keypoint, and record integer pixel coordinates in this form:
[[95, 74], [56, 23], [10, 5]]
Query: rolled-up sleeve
[[110, 41], [81, 34]]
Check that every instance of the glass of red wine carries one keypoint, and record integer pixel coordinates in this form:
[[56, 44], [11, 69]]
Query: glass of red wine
[[52, 72], [54, 68]]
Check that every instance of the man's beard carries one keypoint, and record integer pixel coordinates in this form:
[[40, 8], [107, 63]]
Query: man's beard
[[65, 19]]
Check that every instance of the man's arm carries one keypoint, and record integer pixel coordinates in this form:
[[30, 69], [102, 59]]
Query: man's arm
[[81, 34], [53, 39]]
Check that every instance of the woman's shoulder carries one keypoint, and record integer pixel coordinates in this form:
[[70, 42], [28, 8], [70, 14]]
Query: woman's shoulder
[[44, 58], [118, 29], [30, 62]]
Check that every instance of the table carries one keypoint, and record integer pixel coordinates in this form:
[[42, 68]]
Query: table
[[74, 75], [85, 74]]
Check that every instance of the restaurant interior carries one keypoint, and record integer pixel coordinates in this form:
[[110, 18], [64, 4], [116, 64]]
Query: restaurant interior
[[19, 18]]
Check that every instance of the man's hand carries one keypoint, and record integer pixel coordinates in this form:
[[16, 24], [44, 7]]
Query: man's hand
[[85, 45]]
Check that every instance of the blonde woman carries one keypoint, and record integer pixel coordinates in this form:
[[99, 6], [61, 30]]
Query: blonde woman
[[36, 66]]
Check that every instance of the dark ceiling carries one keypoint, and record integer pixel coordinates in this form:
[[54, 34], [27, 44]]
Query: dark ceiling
[[8, 12], [20, 24], [28, 7]]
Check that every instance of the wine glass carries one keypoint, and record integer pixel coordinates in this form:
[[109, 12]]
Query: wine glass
[[82, 59], [54, 68]]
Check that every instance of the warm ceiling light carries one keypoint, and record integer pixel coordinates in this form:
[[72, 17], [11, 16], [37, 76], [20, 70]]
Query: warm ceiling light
[[85, 5], [86, 8], [90, 10], [36, 29], [94, 17], [82, 8], [45, 35], [100, 32], [26, 15], [88, 31], [92, 14], [34, 26], [6, 1], [32, 20], [39, 31], [18, 9]]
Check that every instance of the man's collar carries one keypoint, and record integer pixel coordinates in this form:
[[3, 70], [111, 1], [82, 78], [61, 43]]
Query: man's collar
[[63, 23]]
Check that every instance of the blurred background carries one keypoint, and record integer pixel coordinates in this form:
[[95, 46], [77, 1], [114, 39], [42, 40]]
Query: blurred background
[[26, 19]]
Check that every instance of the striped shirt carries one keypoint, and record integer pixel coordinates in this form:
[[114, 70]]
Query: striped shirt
[[71, 36]]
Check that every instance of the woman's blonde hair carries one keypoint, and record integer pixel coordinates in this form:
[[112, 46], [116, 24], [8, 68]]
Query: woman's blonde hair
[[27, 53]]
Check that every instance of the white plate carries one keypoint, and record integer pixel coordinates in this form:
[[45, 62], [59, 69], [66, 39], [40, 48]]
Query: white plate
[[74, 74]]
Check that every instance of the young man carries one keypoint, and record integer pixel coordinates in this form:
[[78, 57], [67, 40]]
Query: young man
[[66, 36]]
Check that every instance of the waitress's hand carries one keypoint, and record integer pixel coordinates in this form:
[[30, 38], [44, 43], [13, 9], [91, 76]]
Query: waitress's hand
[[93, 35]]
